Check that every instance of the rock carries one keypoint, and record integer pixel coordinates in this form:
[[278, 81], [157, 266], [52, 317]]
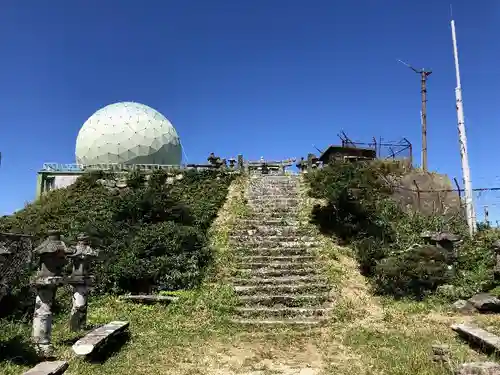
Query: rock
[[464, 307], [485, 302], [179, 177], [478, 368], [440, 353], [169, 180]]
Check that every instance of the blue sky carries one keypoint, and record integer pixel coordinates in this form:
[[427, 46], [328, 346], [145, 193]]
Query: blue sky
[[262, 78]]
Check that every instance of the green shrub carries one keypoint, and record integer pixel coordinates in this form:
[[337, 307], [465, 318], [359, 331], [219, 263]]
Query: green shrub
[[415, 272], [166, 255], [124, 227], [360, 211]]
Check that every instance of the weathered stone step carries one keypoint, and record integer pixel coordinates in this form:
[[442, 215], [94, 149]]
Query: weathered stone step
[[250, 273], [277, 265], [277, 322], [277, 251], [266, 215], [272, 230], [269, 243], [267, 222], [281, 289], [301, 259], [284, 207], [239, 238], [279, 280], [290, 300], [281, 312], [275, 211], [266, 196]]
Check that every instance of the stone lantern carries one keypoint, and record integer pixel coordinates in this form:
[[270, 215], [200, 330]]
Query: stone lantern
[[80, 279], [52, 254], [442, 240]]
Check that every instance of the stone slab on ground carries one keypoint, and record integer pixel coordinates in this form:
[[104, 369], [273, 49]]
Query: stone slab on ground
[[98, 337], [48, 368], [478, 368], [478, 335]]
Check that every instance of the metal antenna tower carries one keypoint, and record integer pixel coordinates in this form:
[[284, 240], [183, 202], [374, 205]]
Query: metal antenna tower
[[424, 74]]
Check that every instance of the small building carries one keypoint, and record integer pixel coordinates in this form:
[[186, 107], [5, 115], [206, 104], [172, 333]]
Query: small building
[[333, 153], [55, 176]]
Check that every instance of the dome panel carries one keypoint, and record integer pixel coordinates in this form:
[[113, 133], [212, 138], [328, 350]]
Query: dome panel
[[130, 133]]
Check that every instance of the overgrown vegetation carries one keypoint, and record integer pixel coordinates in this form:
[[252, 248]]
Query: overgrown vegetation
[[386, 238], [152, 236]]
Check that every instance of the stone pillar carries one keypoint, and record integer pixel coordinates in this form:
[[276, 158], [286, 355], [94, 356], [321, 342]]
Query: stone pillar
[[52, 253], [80, 279]]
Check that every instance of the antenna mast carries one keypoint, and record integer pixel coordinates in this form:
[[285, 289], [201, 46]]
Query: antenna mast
[[424, 74], [469, 204]]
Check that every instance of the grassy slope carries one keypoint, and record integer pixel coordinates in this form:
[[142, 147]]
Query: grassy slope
[[366, 335]]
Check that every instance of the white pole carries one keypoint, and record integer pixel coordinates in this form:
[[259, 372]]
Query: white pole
[[469, 204]]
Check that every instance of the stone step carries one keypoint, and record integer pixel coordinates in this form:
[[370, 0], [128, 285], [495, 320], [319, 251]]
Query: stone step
[[277, 265], [269, 243], [279, 280], [277, 322], [265, 199], [267, 222], [299, 288], [272, 230], [262, 196], [273, 215], [274, 211], [238, 238], [250, 273], [281, 312], [282, 300], [276, 251], [300, 259], [262, 206]]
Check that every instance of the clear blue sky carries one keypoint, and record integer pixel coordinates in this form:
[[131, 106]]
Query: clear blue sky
[[262, 77]]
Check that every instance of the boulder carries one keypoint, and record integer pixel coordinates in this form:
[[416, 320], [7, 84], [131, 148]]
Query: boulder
[[485, 302], [478, 368]]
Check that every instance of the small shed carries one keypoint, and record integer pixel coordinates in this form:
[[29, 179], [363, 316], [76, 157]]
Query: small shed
[[347, 153]]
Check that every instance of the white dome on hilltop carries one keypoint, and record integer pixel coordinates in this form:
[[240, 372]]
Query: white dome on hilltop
[[128, 133]]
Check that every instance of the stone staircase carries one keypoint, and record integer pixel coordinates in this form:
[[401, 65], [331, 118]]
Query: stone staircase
[[278, 280]]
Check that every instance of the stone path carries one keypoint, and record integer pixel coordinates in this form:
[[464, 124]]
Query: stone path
[[278, 280]]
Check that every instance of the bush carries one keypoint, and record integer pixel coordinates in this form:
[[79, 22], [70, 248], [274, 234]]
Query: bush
[[416, 272], [125, 227], [166, 255], [360, 210]]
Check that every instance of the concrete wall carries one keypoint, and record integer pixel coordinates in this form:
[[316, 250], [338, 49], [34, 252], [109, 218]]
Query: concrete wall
[[436, 193]]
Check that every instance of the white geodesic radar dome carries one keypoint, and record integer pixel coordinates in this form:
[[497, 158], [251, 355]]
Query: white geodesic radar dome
[[128, 133]]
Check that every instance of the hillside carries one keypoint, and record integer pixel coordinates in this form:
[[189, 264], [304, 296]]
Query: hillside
[[386, 308]]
